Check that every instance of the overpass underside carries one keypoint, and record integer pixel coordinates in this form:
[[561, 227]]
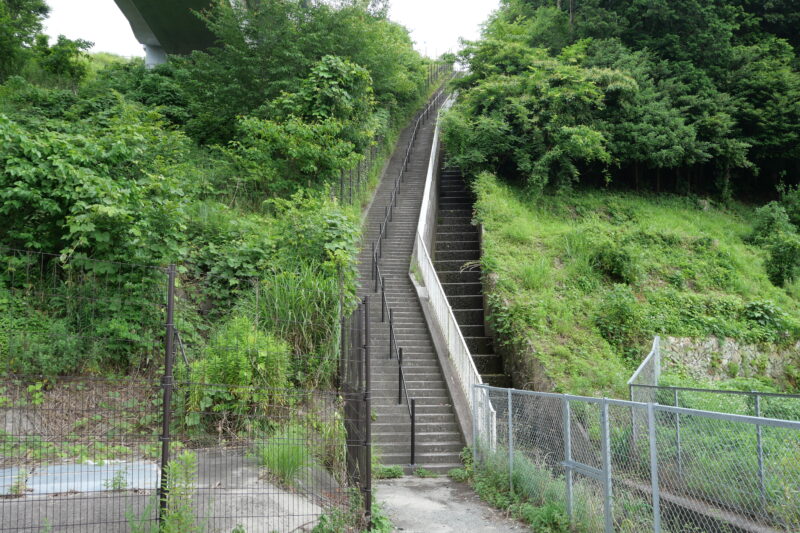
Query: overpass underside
[[167, 27]]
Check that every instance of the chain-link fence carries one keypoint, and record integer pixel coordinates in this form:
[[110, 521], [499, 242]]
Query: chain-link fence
[[648, 373], [752, 403], [682, 470]]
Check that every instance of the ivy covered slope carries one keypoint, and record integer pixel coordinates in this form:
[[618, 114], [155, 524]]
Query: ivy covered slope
[[225, 162], [581, 282]]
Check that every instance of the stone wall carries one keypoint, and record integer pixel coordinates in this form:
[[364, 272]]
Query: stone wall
[[725, 358]]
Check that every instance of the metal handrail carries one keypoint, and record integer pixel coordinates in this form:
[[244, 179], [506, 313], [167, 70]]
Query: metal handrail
[[721, 391]]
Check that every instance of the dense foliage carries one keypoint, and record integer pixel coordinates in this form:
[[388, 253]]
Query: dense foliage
[[686, 96], [221, 162]]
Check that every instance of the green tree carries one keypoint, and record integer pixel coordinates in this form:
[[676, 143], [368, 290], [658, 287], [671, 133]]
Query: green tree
[[65, 59], [20, 22]]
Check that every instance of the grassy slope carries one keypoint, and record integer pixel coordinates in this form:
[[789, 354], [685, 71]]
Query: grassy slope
[[585, 280]]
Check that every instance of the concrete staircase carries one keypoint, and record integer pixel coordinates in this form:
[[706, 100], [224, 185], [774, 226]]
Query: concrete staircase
[[438, 438], [456, 258]]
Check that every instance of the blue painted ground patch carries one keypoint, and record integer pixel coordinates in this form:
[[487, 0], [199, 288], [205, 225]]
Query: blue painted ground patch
[[57, 479]]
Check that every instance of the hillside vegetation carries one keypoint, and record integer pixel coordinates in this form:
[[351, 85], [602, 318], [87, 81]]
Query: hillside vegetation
[[582, 281], [611, 145], [226, 162]]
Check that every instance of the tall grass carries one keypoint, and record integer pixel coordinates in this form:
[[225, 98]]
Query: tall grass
[[285, 453], [301, 306]]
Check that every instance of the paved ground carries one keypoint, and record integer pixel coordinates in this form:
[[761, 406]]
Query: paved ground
[[440, 505], [230, 491]]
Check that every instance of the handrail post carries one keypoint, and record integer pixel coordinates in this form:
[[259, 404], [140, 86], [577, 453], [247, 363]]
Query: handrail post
[[383, 300], [391, 333], [386, 219], [413, 430], [400, 376]]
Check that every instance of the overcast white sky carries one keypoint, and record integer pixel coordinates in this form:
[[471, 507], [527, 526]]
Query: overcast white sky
[[435, 25]]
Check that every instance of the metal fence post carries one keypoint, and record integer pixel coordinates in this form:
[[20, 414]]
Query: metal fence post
[[367, 419], [760, 449], [475, 423], [510, 443], [567, 451], [678, 437], [654, 485], [606, 451], [167, 385]]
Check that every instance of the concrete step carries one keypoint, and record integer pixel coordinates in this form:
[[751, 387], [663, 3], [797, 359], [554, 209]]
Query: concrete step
[[488, 363], [457, 276], [440, 463], [469, 316], [466, 242], [477, 330], [457, 265], [458, 254], [462, 289], [465, 302], [497, 380], [455, 220], [433, 419], [480, 344], [457, 213], [453, 445]]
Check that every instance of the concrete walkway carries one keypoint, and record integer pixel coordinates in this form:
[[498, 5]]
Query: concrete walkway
[[440, 505]]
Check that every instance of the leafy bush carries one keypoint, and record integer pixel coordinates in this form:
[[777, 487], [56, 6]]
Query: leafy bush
[[241, 354], [768, 220], [247, 368], [616, 261], [618, 318], [784, 257]]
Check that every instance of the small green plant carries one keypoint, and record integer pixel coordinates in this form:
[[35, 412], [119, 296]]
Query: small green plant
[[20, 485], [119, 481], [387, 472], [424, 472], [458, 474], [285, 453], [549, 518]]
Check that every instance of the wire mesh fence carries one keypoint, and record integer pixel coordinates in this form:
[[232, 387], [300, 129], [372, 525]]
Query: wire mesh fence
[[165, 448], [90, 455], [685, 470]]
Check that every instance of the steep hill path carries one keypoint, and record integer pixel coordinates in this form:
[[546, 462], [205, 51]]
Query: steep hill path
[[438, 439]]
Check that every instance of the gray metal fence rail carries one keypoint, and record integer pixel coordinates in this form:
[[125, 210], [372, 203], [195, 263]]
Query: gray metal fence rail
[[683, 470]]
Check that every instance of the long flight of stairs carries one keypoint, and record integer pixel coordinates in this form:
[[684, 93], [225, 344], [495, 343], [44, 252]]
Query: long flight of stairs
[[456, 259], [438, 439]]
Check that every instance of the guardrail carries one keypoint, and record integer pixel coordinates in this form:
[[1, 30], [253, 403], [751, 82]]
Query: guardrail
[[457, 349]]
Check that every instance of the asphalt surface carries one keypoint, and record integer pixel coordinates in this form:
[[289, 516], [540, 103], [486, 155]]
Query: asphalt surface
[[440, 505]]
